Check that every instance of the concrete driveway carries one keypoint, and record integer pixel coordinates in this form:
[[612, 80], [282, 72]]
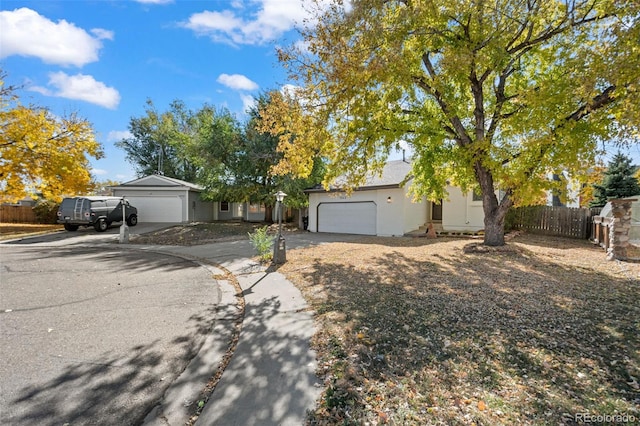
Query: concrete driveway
[[88, 235], [95, 333]]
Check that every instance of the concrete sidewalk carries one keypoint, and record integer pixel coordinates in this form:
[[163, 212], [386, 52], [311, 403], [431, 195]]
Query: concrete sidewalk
[[271, 378]]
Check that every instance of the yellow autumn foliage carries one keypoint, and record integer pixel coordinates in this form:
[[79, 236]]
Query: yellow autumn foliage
[[41, 154]]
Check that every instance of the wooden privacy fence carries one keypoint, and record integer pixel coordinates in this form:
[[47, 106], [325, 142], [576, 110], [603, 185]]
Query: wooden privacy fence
[[553, 221], [17, 214]]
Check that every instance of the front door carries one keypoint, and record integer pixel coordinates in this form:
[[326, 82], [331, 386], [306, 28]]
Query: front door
[[436, 211]]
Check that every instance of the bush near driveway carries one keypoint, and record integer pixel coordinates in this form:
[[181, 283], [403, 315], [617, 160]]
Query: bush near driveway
[[415, 331]]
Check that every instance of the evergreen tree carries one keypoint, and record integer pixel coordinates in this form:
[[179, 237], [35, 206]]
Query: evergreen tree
[[618, 181]]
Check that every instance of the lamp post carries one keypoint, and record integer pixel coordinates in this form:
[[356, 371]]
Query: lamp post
[[124, 229], [279, 248]]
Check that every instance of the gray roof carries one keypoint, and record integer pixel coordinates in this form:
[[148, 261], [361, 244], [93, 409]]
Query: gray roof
[[394, 174], [159, 181]]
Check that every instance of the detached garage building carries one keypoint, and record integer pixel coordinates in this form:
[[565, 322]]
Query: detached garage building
[[380, 207], [163, 199]]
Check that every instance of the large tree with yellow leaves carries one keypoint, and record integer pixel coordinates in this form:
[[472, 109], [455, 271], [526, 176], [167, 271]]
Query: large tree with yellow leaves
[[490, 94], [41, 153]]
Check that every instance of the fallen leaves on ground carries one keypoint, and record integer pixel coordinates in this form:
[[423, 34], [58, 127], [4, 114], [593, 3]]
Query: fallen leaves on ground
[[18, 230], [414, 331], [202, 233]]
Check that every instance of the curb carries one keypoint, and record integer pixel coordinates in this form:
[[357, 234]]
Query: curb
[[185, 398]]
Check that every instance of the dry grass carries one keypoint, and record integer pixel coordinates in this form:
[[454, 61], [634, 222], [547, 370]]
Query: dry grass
[[415, 331], [10, 231], [202, 233]]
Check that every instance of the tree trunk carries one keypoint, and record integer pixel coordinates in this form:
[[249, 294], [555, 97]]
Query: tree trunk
[[494, 210], [268, 214], [493, 230]]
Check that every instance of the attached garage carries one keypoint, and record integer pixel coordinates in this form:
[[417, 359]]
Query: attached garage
[[382, 206], [161, 199], [149, 211], [347, 217]]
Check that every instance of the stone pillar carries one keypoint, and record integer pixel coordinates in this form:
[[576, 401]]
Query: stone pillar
[[620, 228]]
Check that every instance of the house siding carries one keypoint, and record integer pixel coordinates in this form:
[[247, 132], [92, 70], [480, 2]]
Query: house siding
[[227, 215], [254, 216], [416, 213], [199, 210], [460, 212]]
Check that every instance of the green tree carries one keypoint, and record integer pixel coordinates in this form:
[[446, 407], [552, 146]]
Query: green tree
[[618, 181], [158, 141], [489, 94], [237, 161], [43, 154]]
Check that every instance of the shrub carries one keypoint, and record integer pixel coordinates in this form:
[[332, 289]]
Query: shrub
[[46, 211], [263, 243]]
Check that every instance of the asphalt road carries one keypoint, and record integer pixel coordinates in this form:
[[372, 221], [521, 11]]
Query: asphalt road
[[94, 333]]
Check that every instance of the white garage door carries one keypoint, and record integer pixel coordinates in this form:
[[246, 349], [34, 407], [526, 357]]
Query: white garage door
[[157, 209], [347, 218]]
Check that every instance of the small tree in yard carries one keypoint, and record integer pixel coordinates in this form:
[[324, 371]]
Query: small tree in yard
[[619, 182], [489, 94], [263, 243]]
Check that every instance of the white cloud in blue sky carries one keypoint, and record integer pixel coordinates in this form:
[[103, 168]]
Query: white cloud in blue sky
[[239, 25], [27, 33], [237, 82], [248, 101], [79, 87], [118, 135]]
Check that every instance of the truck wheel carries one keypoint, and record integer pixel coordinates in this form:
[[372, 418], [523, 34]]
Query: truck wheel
[[101, 225], [133, 220], [70, 227]]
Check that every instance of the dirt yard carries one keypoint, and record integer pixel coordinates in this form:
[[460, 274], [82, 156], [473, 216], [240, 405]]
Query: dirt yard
[[446, 332]]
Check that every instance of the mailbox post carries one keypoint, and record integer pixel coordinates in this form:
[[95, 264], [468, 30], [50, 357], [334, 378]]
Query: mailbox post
[[279, 248]]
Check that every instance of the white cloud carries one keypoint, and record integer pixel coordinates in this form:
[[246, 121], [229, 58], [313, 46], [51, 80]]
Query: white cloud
[[102, 34], [237, 82], [99, 172], [248, 102], [263, 24], [118, 135], [290, 90], [81, 87], [27, 33]]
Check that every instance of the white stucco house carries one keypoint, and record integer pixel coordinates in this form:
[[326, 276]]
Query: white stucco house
[[164, 199], [383, 207]]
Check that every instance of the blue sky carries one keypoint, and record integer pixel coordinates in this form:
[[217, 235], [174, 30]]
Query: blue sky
[[104, 59]]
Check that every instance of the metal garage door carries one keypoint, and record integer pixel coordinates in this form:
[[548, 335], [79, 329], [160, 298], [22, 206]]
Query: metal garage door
[[347, 218], [157, 209]]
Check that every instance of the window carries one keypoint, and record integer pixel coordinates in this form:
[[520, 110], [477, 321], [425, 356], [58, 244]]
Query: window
[[224, 206], [476, 195], [256, 208]]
